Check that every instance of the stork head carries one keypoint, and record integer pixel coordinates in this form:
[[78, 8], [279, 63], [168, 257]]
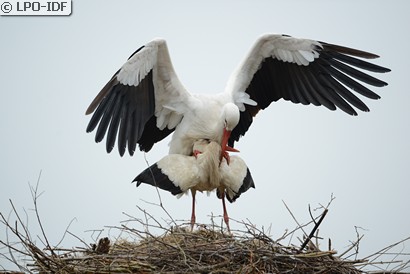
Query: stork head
[[230, 116]]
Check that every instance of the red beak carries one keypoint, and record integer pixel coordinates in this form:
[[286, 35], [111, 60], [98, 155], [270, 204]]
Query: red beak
[[225, 139], [225, 147]]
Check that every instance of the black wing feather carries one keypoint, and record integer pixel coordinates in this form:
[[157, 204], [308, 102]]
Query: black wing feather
[[115, 122], [343, 91], [245, 122], [302, 86], [122, 134], [354, 85], [95, 119], [152, 134], [329, 80], [154, 176], [129, 113], [356, 62], [106, 117], [299, 89], [247, 183], [126, 112], [361, 76]]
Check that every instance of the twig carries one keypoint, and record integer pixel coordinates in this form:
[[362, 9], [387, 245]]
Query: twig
[[382, 251], [178, 250], [354, 244], [66, 231], [313, 230], [296, 221], [35, 196]]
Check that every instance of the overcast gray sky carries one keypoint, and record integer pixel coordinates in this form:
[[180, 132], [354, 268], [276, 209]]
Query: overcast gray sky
[[52, 67]]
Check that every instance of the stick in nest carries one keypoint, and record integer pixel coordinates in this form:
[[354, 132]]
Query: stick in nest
[[178, 250]]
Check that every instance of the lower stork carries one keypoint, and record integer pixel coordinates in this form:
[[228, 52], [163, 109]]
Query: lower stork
[[205, 171]]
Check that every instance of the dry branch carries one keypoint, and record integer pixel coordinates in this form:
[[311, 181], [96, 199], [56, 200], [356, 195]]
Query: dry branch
[[174, 248]]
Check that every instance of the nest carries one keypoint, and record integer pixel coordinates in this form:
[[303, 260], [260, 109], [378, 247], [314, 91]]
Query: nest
[[207, 249], [202, 251], [174, 248]]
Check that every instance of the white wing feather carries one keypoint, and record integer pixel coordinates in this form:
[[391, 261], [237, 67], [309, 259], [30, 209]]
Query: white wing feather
[[232, 175], [284, 48], [139, 65], [169, 91], [182, 170]]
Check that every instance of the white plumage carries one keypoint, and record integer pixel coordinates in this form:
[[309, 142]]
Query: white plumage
[[144, 101], [203, 172]]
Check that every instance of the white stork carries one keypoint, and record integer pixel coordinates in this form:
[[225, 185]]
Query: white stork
[[205, 171], [144, 101]]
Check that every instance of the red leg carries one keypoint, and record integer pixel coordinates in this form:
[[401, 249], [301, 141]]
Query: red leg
[[193, 218], [226, 217]]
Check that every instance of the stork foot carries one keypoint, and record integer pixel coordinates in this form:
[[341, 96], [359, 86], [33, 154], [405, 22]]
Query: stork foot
[[225, 154]]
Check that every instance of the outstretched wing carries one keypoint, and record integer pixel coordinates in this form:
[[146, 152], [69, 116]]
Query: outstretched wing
[[301, 71], [142, 103]]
